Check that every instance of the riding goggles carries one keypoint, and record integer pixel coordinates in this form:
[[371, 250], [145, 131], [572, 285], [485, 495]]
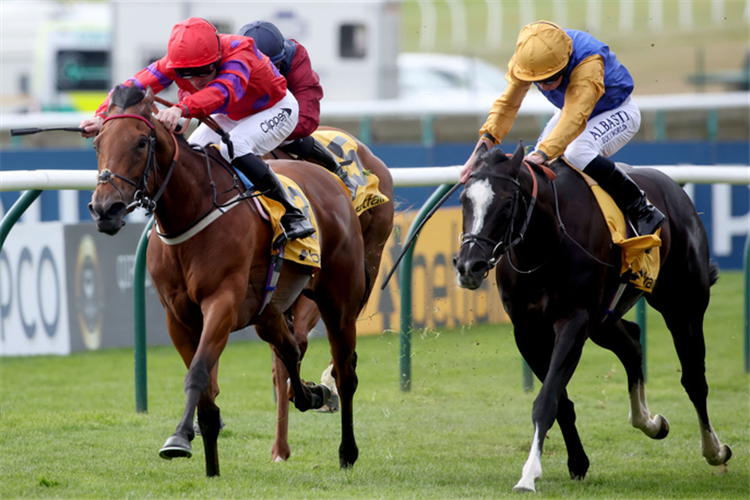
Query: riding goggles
[[199, 72]]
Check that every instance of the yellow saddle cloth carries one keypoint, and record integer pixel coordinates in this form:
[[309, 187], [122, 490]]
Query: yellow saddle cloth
[[637, 256], [305, 251], [344, 148]]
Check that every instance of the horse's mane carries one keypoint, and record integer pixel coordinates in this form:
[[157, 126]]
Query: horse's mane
[[492, 157], [495, 156], [125, 96]]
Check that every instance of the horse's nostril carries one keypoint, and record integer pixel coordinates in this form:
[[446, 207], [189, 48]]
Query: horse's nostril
[[479, 267]]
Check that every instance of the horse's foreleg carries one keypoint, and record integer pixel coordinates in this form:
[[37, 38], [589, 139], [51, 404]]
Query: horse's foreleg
[[565, 354], [218, 318], [578, 461], [185, 341]]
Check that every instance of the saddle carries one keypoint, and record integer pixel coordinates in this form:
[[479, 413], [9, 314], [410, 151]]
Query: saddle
[[344, 148], [640, 265]]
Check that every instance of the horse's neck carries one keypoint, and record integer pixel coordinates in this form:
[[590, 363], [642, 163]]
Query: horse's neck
[[543, 232], [188, 194]]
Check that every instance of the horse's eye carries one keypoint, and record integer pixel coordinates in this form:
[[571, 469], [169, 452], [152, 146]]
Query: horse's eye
[[142, 143], [508, 205]]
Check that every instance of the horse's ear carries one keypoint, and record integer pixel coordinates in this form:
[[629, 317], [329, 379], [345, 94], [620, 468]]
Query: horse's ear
[[519, 154], [149, 96]]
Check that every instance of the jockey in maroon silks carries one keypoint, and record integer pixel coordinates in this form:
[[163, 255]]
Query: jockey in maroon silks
[[228, 78], [293, 62]]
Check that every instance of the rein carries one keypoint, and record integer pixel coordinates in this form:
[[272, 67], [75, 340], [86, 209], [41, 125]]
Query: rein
[[210, 123], [141, 199]]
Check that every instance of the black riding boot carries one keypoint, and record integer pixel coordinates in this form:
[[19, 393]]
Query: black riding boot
[[310, 149], [645, 217], [293, 222]]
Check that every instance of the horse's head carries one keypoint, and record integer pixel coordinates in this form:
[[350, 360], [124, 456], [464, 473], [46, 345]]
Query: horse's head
[[125, 148], [489, 203]]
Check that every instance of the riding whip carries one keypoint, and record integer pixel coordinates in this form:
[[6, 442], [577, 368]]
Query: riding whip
[[29, 131], [419, 228]]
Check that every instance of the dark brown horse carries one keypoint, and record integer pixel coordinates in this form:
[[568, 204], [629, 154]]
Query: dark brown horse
[[376, 224], [214, 282], [557, 273]]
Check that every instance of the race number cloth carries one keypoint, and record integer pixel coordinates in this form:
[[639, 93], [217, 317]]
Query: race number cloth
[[305, 251], [344, 148], [637, 256]]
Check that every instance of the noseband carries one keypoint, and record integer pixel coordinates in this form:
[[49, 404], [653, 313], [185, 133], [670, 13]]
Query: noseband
[[501, 247], [141, 198]]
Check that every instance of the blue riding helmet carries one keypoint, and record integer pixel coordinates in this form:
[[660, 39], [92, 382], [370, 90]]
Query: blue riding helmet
[[272, 43]]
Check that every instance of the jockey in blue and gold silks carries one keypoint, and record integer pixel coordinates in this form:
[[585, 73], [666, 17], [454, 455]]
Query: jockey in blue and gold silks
[[595, 114]]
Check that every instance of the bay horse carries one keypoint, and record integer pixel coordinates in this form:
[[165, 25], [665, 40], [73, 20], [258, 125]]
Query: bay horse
[[376, 224], [214, 281], [557, 270]]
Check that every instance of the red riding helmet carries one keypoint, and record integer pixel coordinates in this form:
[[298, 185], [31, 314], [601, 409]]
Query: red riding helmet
[[194, 42]]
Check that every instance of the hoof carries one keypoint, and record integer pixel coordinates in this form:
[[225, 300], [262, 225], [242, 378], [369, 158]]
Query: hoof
[[319, 396], [332, 406], [176, 447], [664, 431], [278, 460], [578, 468], [726, 454], [523, 488]]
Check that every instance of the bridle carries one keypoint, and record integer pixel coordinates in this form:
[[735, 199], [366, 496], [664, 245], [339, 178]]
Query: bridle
[[498, 248], [141, 198]]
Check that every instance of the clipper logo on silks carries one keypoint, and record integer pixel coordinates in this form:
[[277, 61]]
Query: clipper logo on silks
[[268, 125]]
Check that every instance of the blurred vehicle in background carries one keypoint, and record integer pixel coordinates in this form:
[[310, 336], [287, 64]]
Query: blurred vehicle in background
[[429, 76], [448, 78]]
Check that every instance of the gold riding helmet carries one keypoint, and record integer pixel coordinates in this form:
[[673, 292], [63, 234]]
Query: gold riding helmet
[[542, 50]]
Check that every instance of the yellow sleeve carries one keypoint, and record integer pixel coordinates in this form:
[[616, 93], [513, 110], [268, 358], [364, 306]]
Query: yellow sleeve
[[585, 88], [505, 108]]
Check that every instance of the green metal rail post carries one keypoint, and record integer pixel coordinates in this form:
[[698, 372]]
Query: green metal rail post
[[16, 211], [640, 318], [139, 317], [405, 274]]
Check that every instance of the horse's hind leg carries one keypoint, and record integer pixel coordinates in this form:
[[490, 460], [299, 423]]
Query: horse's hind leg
[[623, 339], [306, 316], [339, 306], [345, 372], [685, 322], [275, 330]]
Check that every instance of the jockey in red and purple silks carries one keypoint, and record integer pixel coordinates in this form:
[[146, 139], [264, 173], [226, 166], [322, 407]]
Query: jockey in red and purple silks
[[228, 78]]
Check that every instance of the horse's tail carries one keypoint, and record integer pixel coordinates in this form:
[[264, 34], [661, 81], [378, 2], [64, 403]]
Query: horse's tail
[[368, 289], [713, 273]]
